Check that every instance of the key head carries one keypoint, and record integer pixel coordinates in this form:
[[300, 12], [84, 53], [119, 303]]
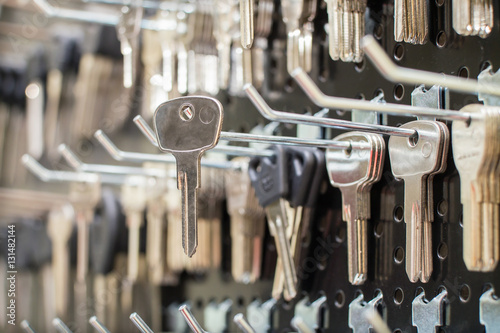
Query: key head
[[178, 119], [301, 164], [269, 176], [419, 155], [350, 167]]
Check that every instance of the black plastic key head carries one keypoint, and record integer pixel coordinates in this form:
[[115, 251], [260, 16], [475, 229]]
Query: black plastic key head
[[301, 166], [269, 176]]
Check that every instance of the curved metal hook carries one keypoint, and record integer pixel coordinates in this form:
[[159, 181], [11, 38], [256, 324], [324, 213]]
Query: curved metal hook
[[332, 102], [293, 118], [99, 327], [190, 319], [78, 165], [140, 323], [395, 73], [279, 140], [243, 324]]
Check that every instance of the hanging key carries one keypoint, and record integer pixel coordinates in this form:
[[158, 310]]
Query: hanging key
[[186, 127], [353, 172], [168, 38], [411, 22], [476, 159], [346, 26], [247, 224], [59, 228], [269, 177], [473, 17], [128, 28], [413, 160], [292, 11], [264, 22], [300, 162], [225, 29], [246, 23]]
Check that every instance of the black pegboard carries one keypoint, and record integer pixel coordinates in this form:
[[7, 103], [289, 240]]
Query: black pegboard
[[323, 268]]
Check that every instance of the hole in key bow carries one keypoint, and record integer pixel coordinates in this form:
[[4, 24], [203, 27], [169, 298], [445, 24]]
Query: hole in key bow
[[186, 112]]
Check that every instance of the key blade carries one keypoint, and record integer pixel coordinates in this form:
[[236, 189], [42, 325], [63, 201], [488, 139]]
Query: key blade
[[188, 166]]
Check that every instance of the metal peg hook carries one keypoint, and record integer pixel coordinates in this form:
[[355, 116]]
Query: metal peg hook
[[332, 102], [99, 327], [25, 325], [47, 175], [120, 155], [140, 323], [190, 319], [78, 165], [88, 17], [293, 118], [279, 140], [243, 324], [149, 133], [299, 324], [60, 326], [395, 73]]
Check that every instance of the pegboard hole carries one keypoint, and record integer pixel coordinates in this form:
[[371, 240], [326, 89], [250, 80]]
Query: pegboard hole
[[399, 52], [464, 293], [398, 214], [240, 301], [398, 296], [441, 39], [397, 330], [418, 291], [413, 140], [378, 32], [485, 65], [439, 3], [359, 66], [199, 303], [442, 207], [399, 92], [442, 251], [339, 299], [340, 113], [340, 234], [289, 85], [379, 229], [463, 72], [399, 255]]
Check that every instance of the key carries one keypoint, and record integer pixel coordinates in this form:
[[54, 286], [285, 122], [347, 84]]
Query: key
[[84, 197], [269, 178], [264, 22], [224, 32], [151, 55], [300, 162], [168, 37], [473, 17], [60, 227], [246, 23], [133, 199], [411, 21], [187, 127], [346, 26], [413, 160], [365, 168], [291, 11], [247, 224], [128, 28], [306, 34], [476, 158]]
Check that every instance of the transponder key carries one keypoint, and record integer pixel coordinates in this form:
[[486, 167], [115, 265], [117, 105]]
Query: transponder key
[[187, 127]]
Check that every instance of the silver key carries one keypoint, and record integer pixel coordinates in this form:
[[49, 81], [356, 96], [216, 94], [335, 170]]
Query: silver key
[[365, 168], [224, 31], [128, 29], [247, 224], [476, 156], [413, 160], [246, 23], [59, 228], [292, 11], [186, 127], [411, 21], [473, 17]]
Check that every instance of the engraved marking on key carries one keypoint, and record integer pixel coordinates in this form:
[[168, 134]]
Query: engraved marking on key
[[186, 127]]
